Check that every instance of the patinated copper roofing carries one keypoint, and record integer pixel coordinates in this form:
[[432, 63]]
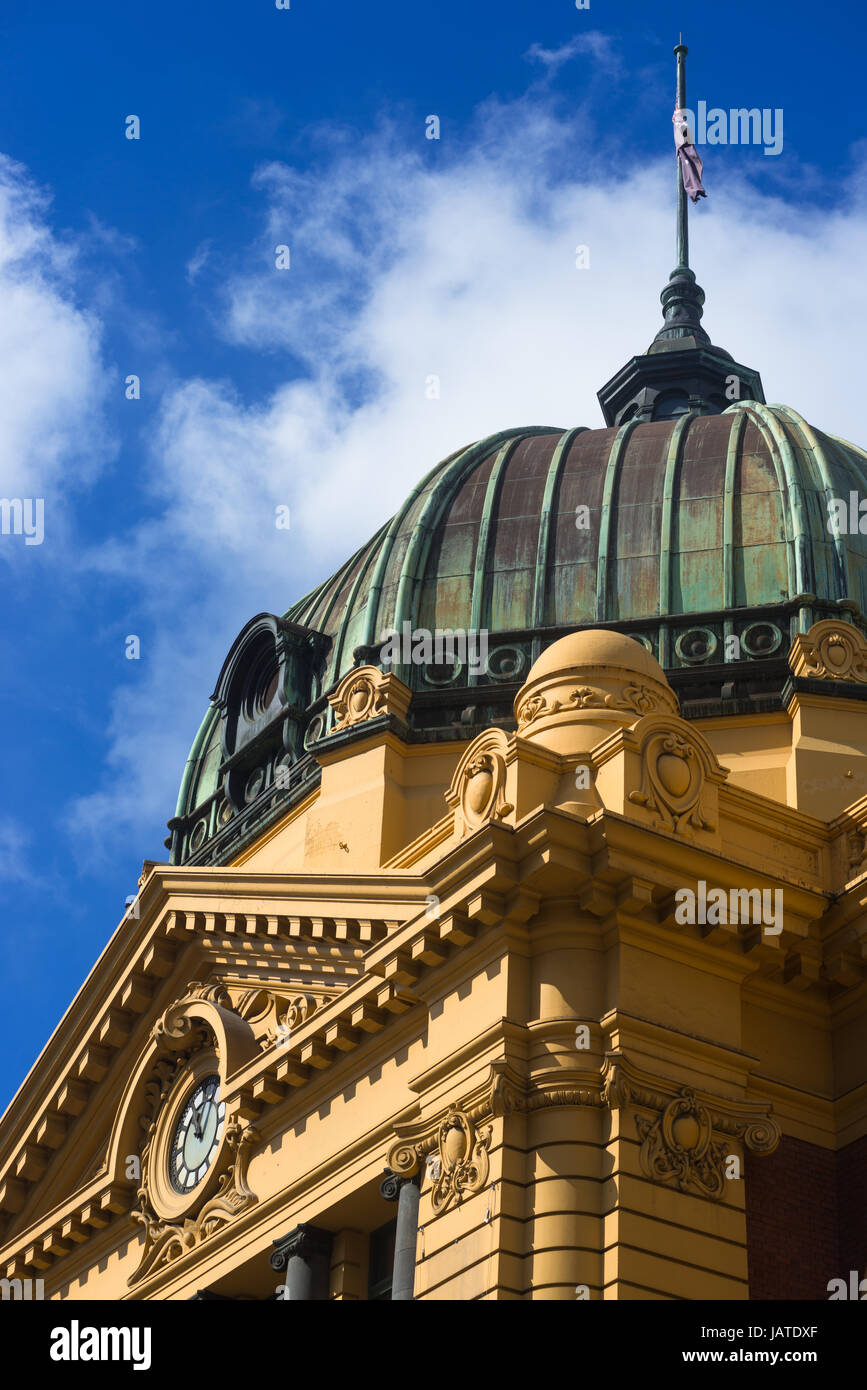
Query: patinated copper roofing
[[699, 514], [698, 529]]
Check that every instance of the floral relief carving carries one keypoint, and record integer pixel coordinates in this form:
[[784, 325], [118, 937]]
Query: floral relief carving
[[634, 696], [463, 1165], [175, 1027], [360, 700], [639, 698], [298, 1010], [215, 992], [164, 1074], [274, 1016], [688, 1140], [454, 1152], [366, 693]]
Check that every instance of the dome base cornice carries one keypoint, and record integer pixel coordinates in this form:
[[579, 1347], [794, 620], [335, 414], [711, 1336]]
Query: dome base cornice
[[674, 373]]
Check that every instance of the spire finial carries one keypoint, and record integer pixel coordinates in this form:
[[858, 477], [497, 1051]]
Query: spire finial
[[681, 370], [682, 298], [680, 53]]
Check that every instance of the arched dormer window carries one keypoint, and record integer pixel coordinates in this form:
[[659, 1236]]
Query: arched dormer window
[[262, 693]]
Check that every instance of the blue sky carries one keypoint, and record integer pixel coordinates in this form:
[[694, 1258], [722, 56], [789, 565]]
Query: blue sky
[[306, 387]]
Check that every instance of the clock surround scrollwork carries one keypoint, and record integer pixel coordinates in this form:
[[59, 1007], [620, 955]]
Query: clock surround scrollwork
[[197, 1039]]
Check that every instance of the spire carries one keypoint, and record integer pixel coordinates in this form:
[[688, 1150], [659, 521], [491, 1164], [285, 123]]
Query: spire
[[682, 298], [680, 53], [682, 370]]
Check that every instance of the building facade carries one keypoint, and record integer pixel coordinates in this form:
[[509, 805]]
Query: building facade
[[533, 977]]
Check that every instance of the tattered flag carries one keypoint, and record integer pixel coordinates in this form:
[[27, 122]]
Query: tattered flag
[[688, 156]]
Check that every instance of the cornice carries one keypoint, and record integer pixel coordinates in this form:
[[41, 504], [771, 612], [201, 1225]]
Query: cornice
[[504, 1031], [494, 878], [687, 859], [807, 1115], [624, 1032], [438, 834], [772, 817]]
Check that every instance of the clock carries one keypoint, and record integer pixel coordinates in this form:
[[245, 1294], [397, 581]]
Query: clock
[[197, 1134]]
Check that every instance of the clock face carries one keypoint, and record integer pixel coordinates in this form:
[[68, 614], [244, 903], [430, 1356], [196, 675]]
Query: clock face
[[197, 1135]]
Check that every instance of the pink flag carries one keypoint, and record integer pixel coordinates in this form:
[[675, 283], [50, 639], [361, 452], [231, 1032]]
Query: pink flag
[[688, 157]]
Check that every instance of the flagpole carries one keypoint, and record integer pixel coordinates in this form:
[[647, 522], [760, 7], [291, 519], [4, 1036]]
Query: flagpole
[[680, 53]]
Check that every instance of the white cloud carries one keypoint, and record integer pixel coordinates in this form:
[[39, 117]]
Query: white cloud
[[463, 267], [53, 383], [600, 46]]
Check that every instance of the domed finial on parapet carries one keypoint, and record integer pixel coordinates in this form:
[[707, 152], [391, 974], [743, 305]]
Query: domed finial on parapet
[[583, 688], [600, 702], [599, 731]]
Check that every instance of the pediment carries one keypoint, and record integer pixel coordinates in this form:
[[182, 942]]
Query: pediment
[[174, 981]]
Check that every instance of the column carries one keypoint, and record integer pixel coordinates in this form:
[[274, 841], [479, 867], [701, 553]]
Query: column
[[405, 1192], [304, 1254]]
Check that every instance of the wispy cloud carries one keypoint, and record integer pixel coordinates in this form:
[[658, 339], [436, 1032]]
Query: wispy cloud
[[14, 841], [53, 384], [199, 259], [600, 47]]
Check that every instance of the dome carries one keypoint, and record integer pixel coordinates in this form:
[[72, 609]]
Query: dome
[[586, 685], [592, 650], [532, 533], [702, 539]]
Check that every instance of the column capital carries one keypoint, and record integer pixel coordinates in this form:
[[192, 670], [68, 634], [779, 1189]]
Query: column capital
[[391, 1184], [303, 1242]]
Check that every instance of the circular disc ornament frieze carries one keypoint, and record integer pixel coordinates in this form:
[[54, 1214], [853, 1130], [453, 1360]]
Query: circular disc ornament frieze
[[761, 639], [506, 663], [441, 673], [696, 645], [314, 731], [254, 784]]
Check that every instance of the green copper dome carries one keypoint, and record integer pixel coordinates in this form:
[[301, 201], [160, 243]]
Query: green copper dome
[[705, 536], [543, 529]]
